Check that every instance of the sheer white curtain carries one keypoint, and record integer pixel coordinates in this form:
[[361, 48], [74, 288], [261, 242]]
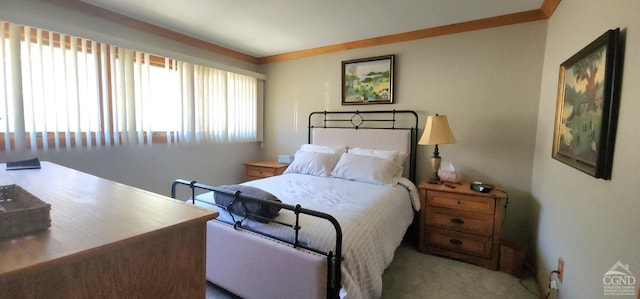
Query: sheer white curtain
[[192, 103], [243, 107], [130, 100], [9, 43], [49, 87], [60, 92], [217, 106]]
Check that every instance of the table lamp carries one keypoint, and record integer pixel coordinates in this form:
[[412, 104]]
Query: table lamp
[[436, 131]]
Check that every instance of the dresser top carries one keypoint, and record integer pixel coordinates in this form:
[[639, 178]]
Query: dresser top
[[88, 213]]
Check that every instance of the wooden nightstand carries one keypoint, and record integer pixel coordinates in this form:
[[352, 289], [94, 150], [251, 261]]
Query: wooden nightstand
[[263, 169], [461, 223]]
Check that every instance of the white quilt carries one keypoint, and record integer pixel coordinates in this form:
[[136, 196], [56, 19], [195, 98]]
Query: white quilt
[[373, 218]]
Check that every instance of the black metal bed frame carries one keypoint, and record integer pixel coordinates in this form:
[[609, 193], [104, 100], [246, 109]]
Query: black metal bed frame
[[334, 259], [357, 120]]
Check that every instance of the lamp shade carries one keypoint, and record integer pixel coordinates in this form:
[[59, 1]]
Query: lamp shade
[[437, 131]]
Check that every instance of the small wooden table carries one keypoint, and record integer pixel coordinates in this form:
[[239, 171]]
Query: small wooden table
[[106, 240]]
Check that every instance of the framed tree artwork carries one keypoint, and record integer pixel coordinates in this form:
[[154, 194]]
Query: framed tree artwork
[[587, 106], [368, 81]]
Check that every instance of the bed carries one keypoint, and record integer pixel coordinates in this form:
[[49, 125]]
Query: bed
[[328, 226]]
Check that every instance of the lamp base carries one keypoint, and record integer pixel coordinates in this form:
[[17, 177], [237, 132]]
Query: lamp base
[[435, 165]]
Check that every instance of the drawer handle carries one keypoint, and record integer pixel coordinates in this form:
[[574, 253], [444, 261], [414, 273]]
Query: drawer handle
[[457, 221], [455, 242]]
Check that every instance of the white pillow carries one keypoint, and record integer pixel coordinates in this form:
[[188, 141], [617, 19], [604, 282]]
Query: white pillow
[[382, 154], [367, 169], [396, 156], [323, 149], [313, 163], [401, 157]]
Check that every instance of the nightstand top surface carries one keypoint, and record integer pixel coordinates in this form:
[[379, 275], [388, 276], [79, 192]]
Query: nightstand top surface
[[274, 164], [462, 188]]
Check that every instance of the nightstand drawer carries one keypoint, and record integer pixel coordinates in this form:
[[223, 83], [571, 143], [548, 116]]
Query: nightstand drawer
[[262, 172], [476, 204], [459, 242], [481, 224]]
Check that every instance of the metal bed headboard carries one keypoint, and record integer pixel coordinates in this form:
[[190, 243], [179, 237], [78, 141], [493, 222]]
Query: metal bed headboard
[[371, 120]]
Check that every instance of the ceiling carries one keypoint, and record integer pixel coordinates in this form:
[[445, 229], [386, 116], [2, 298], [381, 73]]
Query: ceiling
[[262, 28]]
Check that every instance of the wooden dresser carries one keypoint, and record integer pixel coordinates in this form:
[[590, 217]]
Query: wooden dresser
[[106, 240], [461, 223], [263, 169]]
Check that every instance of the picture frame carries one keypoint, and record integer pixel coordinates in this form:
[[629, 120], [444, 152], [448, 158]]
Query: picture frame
[[368, 81], [587, 106]]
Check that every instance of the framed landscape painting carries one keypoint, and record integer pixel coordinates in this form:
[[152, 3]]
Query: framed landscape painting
[[587, 106], [368, 81]]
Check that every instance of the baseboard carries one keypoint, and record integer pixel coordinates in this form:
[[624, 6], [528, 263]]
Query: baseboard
[[544, 292], [533, 271], [541, 291]]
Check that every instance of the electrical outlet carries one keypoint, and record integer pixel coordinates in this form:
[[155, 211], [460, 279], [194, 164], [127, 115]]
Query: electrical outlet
[[560, 269]]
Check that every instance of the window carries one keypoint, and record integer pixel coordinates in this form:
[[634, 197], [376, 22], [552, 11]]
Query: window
[[61, 91]]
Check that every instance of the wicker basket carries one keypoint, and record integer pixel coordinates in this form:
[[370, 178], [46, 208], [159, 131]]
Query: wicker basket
[[21, 212]]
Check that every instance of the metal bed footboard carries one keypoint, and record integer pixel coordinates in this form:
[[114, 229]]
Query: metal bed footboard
[[334, 258]]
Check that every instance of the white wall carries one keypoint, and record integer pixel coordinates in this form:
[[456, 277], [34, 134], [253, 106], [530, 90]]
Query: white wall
[[155, 167], [486, 81], [151, 168], [590, 223]]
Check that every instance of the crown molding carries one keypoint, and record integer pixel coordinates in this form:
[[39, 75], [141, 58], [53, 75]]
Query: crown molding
[[544, 12], [510, 19], [106, 14]]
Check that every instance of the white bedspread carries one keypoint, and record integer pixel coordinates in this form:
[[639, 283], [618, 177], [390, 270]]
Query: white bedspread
[[373, 218]]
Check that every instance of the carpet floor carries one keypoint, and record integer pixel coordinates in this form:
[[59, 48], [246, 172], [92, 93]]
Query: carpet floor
[[416, 275]]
